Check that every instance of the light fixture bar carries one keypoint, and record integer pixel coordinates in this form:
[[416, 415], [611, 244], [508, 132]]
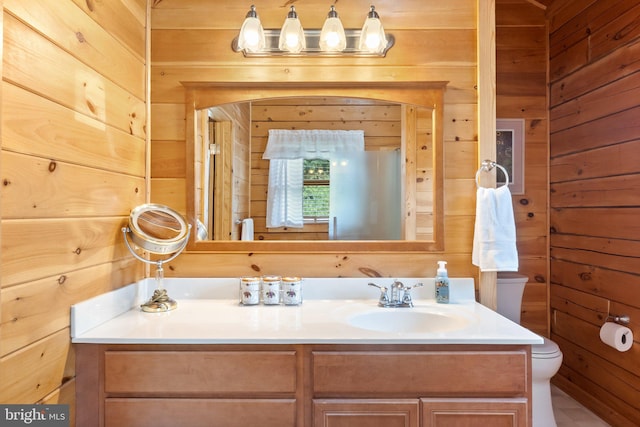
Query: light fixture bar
[[312, 38]]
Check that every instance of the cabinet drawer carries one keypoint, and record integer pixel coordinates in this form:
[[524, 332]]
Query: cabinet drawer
[[189, 373], [420, 373], [200, 412]]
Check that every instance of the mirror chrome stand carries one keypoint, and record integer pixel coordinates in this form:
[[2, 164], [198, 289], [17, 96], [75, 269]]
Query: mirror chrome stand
[[160, 301]]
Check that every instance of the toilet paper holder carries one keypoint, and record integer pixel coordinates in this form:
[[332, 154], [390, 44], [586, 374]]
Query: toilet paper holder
[[624, 319]]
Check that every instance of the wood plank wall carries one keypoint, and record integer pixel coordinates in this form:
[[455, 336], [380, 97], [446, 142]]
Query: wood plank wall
[[595, 204], [73, 166], [521, 63], [73, 131], [190, 42]]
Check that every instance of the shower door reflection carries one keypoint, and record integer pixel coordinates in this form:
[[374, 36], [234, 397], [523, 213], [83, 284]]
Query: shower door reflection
[[365, 203]]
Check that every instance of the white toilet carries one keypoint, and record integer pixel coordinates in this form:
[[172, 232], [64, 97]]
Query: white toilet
[[546, 358]]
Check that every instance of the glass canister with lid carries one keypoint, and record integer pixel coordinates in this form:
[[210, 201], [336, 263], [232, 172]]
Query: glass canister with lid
[[249, 290], [292, 290], [271, 290]]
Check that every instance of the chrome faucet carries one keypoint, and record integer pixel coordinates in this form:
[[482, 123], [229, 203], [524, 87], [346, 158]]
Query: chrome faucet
[[400, 295]]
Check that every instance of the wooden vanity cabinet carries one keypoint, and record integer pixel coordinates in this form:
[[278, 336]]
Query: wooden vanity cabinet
[[188, 385], [451, 385], [303, 385]]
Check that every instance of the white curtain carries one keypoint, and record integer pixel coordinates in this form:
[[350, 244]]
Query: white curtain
[[286, 150], [284, 197]]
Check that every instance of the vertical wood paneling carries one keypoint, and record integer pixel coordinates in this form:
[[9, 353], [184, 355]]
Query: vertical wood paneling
[[487, 114], [521, 93], [73, 166], [222, 191], [238, 167], [594, 202]]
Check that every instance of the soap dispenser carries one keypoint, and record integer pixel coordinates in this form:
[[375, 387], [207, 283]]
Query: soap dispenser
[[442, 283]]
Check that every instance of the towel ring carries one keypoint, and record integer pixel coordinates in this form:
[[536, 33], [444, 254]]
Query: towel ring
[[488, 165]]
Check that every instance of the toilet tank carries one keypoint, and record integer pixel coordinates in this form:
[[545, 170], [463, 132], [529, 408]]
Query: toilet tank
[[510, 287]]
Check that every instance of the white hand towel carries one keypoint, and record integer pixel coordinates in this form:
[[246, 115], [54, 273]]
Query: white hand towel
[[494, 240], [247, 229]]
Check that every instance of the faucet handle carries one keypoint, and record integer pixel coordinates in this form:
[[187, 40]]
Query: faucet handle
[[384, 294], [406, 296]]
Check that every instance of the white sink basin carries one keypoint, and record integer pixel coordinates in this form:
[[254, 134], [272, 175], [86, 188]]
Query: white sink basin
[[405, 320]]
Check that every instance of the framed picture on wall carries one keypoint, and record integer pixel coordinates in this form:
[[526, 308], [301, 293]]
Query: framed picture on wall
[[510, 152]]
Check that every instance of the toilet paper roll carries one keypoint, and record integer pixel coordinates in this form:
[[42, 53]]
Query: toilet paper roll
[[617, 336]]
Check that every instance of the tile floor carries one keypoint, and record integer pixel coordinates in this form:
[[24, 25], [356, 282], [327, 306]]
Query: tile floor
[[569, 413]]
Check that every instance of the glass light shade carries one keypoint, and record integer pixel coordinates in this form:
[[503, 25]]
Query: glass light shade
[[251, 38], [332, 37], [372, 38], [292, 35]]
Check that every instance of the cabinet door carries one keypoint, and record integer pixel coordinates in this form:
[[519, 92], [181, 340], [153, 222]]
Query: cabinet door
[[475, 413], [366, 413]]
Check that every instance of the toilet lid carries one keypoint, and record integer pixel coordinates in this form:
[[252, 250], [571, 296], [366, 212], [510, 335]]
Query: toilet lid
[[511, 275], [548, 349]]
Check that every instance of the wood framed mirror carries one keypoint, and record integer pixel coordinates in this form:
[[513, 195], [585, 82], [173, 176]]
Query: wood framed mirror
[[413, 98]]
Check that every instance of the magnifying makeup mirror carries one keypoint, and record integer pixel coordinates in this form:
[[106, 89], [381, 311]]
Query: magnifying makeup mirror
[[159, 230]]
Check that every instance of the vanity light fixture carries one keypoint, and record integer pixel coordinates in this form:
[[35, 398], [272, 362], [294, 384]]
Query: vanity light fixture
[[332, 40], [251, 38], [292, 35], [332, 37], [372, 38]]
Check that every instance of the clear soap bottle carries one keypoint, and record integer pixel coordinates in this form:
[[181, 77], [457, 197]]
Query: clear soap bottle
[[442, 283]]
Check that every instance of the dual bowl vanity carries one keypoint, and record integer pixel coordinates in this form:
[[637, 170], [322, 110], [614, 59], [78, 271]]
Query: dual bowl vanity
[[337, 359]]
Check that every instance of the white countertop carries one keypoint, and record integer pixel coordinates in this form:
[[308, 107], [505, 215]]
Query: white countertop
[[209, 313]]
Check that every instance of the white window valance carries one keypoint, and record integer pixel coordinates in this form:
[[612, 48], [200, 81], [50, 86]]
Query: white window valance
[[312, 144]]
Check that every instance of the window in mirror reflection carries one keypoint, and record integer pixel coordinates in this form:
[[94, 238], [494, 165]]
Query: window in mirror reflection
[[286, 151], [354, 192], [315, 193]]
